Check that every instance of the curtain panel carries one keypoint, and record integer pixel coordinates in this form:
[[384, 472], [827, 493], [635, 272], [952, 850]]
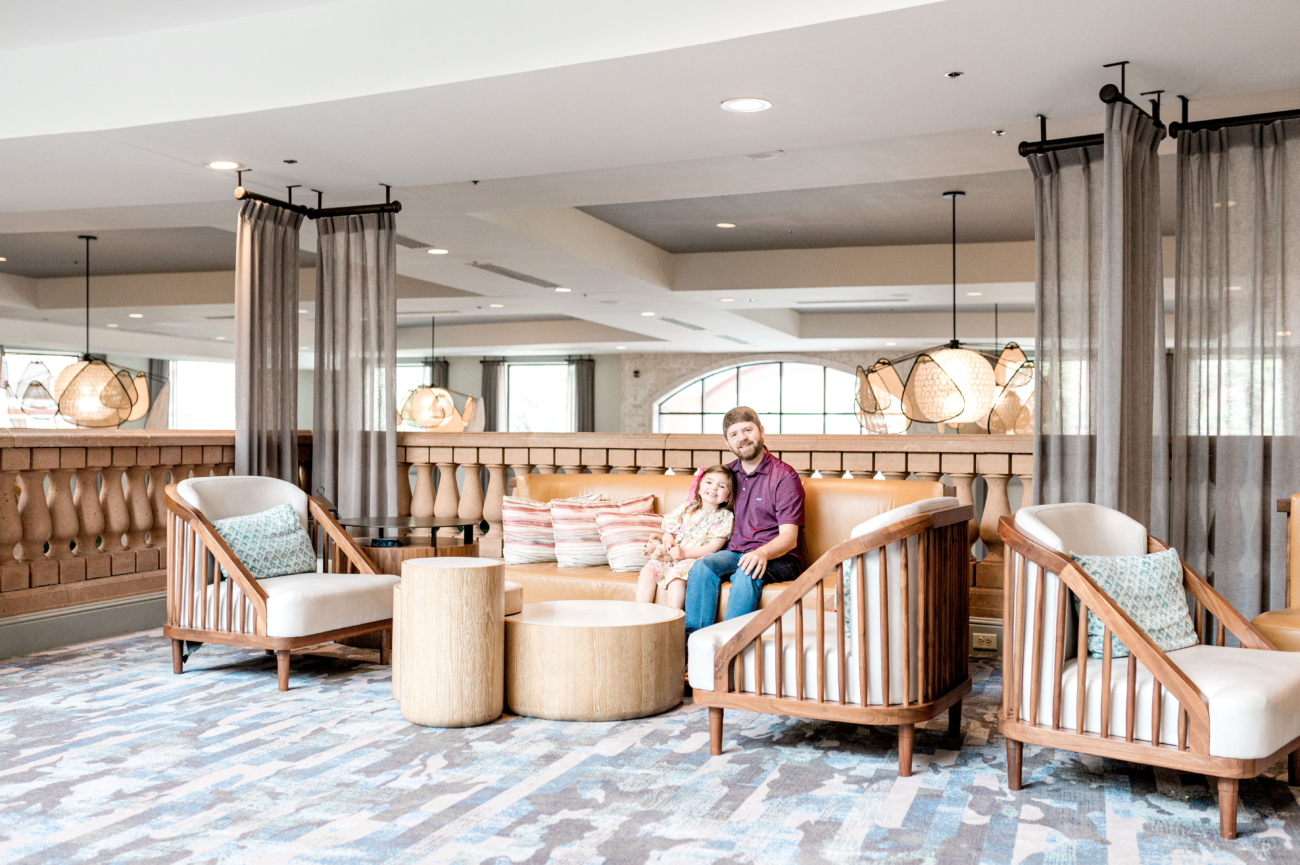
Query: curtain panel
[[266, 341], [1101, 427], [1236, 397], [492, 402], [582, 375], [354, 454]]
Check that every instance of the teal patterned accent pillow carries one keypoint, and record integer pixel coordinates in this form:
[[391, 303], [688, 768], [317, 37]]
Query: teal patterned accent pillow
[[1150, 589], [270, 544]]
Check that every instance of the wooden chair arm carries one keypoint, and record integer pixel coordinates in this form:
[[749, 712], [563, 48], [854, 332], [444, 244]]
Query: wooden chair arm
[[1148, 654], [1237, 624], [818, 571], [345, 541], [221, 552]]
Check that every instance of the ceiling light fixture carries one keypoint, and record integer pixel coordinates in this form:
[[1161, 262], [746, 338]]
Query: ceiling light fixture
[[438, 251], [2, 258], [1284, 333], [620, 346], [496, 305], [563, 290], [745, 104], [135, 315], [953, 74], [430, 407], [219, 338], [727, 300], [110, 325], [647, 313], [726, 225], [224, 165], [302, 312], [891, 343], [974, 294], [999, 132]]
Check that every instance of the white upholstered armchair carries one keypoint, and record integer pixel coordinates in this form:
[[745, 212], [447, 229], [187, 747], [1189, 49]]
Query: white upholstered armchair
[[213, 598], [1227, 712]]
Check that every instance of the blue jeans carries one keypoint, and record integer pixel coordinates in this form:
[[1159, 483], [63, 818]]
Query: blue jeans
[[704, 587]]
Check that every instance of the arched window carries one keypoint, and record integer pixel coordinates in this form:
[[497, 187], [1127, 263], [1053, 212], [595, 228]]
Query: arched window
[[790, 397]]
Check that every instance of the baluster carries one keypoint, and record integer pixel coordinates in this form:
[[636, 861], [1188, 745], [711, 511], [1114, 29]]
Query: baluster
[[117, 519], [446, 502], [1022, 466], [520, 470], [622, 462], [157, 502], [925, 467], [544, 459], [594, 460], [471, 495], [35, 515], [892, 466], [138, 507], [422, 496], [569, 460], [651, 462], [800, 461], [11, 524], [63, 514], [860, 465], [403, 484], [961, 468], [90, 514], [496, 490], [996, 469]]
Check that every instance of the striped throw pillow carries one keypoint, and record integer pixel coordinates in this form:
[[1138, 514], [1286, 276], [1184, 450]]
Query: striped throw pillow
[[577, 538], [526, 534], [624, 537]]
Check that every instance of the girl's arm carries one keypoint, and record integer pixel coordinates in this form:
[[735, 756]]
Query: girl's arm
[[706, 550]]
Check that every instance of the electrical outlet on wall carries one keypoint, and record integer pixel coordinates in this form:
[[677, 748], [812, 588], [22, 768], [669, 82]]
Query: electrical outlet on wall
[[984, 642]]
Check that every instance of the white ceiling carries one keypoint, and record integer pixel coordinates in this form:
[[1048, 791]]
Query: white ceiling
[[610, 107]]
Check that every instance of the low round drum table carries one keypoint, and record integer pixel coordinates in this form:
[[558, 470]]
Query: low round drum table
[[448, 636], [594, 660]]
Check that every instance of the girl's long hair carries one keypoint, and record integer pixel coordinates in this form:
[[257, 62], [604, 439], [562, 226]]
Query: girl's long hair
[[731, 487]]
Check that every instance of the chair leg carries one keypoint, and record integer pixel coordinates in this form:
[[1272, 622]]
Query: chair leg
[[954, 721], [1015, 751], [385, 646], [178, 657], [282, 667], [1228, 808], [906, 736], [715, 730], [1293, 769]]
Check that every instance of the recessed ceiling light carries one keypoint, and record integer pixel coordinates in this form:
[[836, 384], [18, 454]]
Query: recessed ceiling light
[[647, 313], [496, 305], [302, 312], [727, 300], [953, 74], [1234, 288], [620, 346], [111, 325], [220, 339], [135, 315], [2, 258], [726, 225], [438, 251], [891, 343], [746, 104], [1284, 333], [974, 294], [562, 289], [999, 132], [225, 165]]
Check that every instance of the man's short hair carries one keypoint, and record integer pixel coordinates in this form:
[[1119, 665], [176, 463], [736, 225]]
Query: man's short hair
[[739, 414]]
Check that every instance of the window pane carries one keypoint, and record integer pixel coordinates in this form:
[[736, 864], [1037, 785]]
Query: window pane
[[713, 423], [202, 395], [760, 387], [679, 423], [720, 391], [538, 397], [842, 424], [802, 388], [801, 423], [687, 399], [841, 390]]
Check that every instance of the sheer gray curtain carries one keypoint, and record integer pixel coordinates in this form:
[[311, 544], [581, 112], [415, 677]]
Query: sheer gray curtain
[[266, 341], [354, 451], [1100, 424], [493, 395], [1237, 357], [437, 373], [582, 375]]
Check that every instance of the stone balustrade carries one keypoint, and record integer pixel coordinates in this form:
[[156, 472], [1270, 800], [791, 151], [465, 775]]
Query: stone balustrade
[[80, 523]]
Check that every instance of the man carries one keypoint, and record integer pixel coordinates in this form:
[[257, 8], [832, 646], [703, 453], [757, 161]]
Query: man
[[768, 504]]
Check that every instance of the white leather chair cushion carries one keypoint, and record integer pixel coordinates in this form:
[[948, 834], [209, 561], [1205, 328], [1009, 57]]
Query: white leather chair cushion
[[1083, 528], [219, 498], [1254, 699], [705, 643], [302, 604], [925, 506]]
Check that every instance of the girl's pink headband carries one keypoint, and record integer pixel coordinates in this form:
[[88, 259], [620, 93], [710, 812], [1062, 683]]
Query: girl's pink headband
[[695, 484]]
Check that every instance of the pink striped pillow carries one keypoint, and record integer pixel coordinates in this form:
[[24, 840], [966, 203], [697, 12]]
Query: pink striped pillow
[[526, 534], [577, 538], [624, 537]]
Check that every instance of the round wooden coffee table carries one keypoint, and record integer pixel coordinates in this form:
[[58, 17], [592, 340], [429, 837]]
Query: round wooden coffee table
[[448, 626], [594, 660]]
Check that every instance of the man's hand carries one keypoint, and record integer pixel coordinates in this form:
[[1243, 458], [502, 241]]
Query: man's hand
[[753, 564]]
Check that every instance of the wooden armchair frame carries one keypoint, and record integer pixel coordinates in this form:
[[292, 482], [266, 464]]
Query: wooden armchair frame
[[941, 626], [1192, 752], [199, 610]]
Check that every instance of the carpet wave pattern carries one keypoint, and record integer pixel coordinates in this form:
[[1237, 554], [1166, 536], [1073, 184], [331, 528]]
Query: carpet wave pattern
[[105, 756]]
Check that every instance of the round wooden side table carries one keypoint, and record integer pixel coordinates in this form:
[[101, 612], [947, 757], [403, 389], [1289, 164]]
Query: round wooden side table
[[594, 660], [448, 631]]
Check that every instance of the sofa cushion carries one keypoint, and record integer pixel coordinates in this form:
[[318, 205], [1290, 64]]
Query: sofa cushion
[[669, 490], [269, 544], [526, 531], [833, 506], [1150, 590], [625, 536], [577, 538], [299, 605]]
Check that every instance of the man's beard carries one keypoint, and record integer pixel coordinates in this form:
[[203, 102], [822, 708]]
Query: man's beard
[[748, 450]]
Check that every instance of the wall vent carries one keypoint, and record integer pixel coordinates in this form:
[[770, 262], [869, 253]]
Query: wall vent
[[734, 339], [685, 324], [409, 243], [513, 274], [845, 302]]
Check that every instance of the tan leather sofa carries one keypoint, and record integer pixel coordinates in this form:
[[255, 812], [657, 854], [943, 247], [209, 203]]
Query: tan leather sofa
[[832, 507]]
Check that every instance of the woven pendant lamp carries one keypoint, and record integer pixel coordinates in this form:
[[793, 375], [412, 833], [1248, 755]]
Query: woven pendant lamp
[[430, 407]]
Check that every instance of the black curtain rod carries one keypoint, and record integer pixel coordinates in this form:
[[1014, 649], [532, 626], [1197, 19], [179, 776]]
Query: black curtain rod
[[242, 194], [1176, 128], [1110, 93]]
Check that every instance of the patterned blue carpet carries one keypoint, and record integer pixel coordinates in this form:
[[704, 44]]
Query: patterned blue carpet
[[106, 756]]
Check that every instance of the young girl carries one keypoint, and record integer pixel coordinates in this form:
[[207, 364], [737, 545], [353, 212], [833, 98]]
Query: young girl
[[696, 529]]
